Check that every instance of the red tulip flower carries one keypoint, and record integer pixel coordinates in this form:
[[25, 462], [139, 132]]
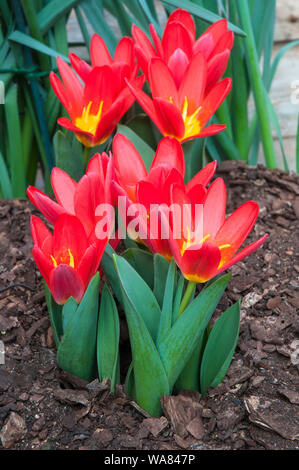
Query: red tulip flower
[[153, 188], [96, 108], [66, 259], [123, 64], [183, 75], [213, 246], [80, 199], [178, 46], [182, 112]]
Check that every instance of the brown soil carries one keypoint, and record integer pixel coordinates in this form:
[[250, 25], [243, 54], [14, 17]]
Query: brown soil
[[256, 407]]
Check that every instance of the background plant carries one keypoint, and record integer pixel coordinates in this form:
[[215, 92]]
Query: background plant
[[33, 33]]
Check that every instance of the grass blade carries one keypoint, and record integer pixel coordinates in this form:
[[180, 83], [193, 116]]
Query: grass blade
[[5, 183], [15, 148], [202, 13], [25, 40], [257, 84]]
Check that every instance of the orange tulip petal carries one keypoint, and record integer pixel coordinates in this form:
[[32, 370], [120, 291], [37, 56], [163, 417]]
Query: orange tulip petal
[[82, 68], [171, 117], [49, 208], [214, 208], [183, 16], [193, 83], [161, 81], [64, 283], [64, 189], [170, 153], [98, 52], [237, 227], [243, 253], [176, 36], [200, 263], [131, 169], [147, 104], [203, 177]]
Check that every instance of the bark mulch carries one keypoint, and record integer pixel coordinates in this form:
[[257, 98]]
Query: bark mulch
[[256, 407]]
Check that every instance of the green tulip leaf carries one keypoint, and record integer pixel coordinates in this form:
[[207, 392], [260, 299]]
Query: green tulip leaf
[[130, 382], [177, 347], [139, 295], [110, 272], [77, 350], [220, 348], [55, 315], [66, 145], [178, 298], [149, 375], [68, 312], [142, 262], [108, 339], [166, 314], [161, 266]]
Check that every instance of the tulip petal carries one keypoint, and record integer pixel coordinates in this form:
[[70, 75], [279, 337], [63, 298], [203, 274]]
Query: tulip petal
[[171, 117], [197, 194], [177, 64], [64, 189], [147, 104], [207, 41], [43, 263], [156, 41], [225, 42], [89, 194], [214, 208], [170, 154], [90, 261], [50, 209], [144, 50], [69, 234], [216, 68], [236, 228], [183, 16], [83, 136], [176, 36], [161, 82], [124, 51], [203, 177], [98, 52], [39, 231], [109, 121], [128, 164], [243, 253], [142, 40], [194, 83], [153, 201], [72, 85], [200, 263], [207, 131], [213, 100], [82, 68], [64, 283], [100, 86], [60, 91]]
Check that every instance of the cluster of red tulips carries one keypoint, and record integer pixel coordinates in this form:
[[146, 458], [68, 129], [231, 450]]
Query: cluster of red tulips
[[184, 75]]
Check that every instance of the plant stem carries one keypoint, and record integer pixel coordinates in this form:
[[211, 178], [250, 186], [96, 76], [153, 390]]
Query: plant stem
[[187, 296]]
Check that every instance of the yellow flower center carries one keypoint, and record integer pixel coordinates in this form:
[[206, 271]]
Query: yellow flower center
[[64, 259], [89, 122], [187, 244], [192, 124]]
